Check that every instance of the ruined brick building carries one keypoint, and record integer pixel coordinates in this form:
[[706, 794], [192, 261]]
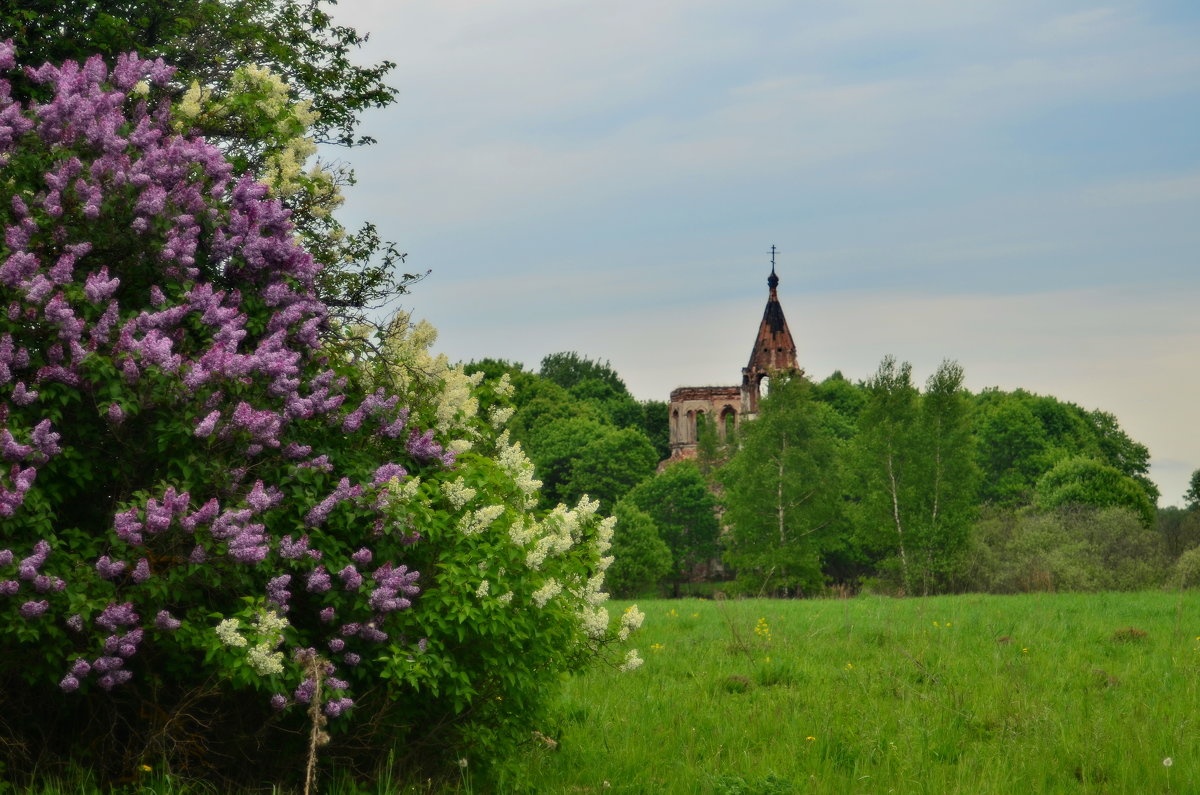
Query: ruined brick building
[[728, 406]]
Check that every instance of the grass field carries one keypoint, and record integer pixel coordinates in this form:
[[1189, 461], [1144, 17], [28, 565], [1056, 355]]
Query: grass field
[[971, 694]]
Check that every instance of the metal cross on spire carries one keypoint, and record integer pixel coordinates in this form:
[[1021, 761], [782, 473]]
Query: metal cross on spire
[[773, 280]]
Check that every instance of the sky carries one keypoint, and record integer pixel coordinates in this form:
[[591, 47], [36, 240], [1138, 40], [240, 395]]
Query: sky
[[1012, 184]]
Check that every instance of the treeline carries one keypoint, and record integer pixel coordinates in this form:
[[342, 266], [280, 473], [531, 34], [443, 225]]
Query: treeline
[[876, 484]]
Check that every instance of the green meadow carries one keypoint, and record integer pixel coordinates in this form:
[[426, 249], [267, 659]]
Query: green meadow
[[972, 694]]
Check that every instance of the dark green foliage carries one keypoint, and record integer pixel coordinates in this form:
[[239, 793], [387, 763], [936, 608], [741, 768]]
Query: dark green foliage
[[554, 449], [1022, 436], [1192, 495], [569, 369], [609, 465], [845, 398], [656, 424], [1084, 481], [783, 492], [684, 510], [1179, 528], [641, 559]]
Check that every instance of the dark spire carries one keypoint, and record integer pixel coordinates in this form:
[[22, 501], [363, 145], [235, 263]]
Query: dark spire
[[772, 280]]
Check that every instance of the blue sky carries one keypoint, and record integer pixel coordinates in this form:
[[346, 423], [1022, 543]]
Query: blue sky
[[1011, 184]]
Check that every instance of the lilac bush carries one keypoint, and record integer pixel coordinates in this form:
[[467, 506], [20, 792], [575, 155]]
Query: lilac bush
[[210, 488]]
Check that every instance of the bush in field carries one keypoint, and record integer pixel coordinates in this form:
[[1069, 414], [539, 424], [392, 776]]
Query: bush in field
[[1075, 549], [219, 514]]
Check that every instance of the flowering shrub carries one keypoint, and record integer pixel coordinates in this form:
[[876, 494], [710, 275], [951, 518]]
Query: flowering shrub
[[208, 515]]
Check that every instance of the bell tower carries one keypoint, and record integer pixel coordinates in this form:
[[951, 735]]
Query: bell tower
[[774, 350]]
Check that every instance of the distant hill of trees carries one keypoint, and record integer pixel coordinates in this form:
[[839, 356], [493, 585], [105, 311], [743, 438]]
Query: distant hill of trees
[[877, 484]]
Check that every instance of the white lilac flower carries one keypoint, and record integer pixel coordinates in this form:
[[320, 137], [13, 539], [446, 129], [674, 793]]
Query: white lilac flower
[[631, 619], [479, 520], [227, 631], [264, 660], [482, 590], [505, 598], [594, 622], [548, 591], [632, 660], [458, 493]]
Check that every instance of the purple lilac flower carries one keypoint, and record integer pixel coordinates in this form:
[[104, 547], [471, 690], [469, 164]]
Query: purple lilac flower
[[69, 684], [386, 472], [75, 622], [277, 591], [9, 587], [336, 645], [117, 615], [34, 609], [305, 692], [109, 569], [351, 659], [205, 427], [362, 557], [141, 572], [350, 578], [292, 550], [337, 684], [327, 614], [165, 621], [197, 555], [22, 395], [81, 668], [6, 557], [372, 634], [422, 446], [338, 706], [115, 415], [278, 702], [318, 581], [128, 527]]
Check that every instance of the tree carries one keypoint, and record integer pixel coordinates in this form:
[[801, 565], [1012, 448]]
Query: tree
[[947, 477], [1085, 481], [609, 465], [641, 559], [783, 491], [218, 524], [887, 461], [263, 79], [1013, 449], [1192, 495], [568, 369], [684, 510], [554, 449]]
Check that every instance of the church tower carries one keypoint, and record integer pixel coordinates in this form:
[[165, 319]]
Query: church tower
[[774, 350], [723, 408]]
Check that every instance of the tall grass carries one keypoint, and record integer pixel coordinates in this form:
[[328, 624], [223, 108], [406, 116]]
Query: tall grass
[[970, 694]]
